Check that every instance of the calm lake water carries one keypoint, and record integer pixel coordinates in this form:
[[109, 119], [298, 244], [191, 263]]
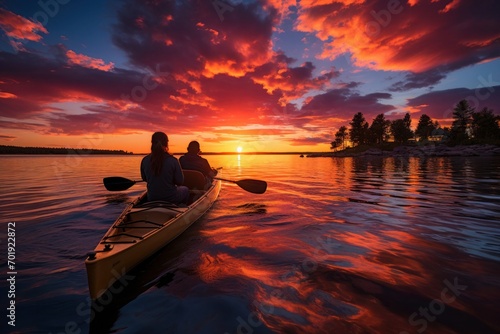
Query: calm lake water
[[336, 245]]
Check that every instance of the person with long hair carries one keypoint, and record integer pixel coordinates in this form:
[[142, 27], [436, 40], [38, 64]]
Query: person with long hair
[[163, 173]]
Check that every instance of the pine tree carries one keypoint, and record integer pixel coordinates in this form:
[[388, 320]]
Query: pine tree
[[359, 129], [401, 129], [341, 136], [424, 127], [379, 129], [460, 127], [485, 127]]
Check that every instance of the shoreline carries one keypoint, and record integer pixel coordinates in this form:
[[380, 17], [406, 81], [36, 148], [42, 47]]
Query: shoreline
[[486, 150]]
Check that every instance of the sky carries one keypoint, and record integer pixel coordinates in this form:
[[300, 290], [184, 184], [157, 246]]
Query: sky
[[263, 75]]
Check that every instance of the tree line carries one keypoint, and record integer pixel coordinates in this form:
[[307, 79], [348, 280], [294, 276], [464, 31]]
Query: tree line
[[5, 149], [468, 127]]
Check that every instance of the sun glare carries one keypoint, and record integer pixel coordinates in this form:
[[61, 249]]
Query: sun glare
[[239, 149]]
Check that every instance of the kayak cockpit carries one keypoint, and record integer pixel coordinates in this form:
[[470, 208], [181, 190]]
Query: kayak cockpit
[[144, 217]]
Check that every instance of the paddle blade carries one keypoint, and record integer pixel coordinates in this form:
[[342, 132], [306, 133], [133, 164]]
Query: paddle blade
[[253, 186], [117, 183]]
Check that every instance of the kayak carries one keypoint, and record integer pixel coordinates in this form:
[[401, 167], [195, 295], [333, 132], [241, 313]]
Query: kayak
[[141, 230]]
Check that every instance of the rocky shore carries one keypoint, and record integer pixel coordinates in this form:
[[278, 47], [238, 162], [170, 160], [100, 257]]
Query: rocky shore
[[420, 151]]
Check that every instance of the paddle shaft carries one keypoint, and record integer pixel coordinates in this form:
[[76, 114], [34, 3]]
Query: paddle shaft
[[117, 183], [232, 181]]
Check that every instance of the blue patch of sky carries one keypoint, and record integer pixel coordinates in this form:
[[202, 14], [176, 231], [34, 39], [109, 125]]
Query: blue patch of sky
[[471, 77], [301, 46], [286, 39], [82, 26], [304, 47], [475, 76]]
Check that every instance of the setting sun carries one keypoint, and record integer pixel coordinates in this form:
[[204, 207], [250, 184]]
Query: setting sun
[[239, 149]]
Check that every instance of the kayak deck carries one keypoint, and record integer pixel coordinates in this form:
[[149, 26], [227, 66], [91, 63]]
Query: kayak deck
[[139, 221]]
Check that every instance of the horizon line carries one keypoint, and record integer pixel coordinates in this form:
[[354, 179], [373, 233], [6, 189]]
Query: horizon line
[[125, 152]]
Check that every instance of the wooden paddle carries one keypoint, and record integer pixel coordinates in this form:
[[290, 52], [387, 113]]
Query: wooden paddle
[[118, 183]]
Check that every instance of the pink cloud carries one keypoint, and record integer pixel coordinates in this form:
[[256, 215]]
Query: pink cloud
[[89, 62], [18, 27]]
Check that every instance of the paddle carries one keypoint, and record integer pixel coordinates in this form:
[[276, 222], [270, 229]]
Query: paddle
[[117, 183], [250, 185]]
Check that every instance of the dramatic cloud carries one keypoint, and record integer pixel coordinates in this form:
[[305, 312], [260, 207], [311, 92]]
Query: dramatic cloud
[[394, 36], [439, 105], [18, 27], [290, 82], [129, 99], [190, 37], [344, 103], [192, 43]]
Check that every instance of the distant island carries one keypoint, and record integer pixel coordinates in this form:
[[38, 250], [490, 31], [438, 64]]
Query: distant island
[[414, 150], [472, 133], [5, 149]]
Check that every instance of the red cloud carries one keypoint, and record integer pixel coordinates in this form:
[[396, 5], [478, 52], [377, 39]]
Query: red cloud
[[193, 39], [89, 62], [221, 68], [5, 95], [391, 35], [291, 82], [195, 45], [18, 27]]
